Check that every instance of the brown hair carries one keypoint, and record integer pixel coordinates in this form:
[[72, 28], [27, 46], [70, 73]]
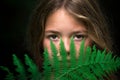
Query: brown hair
[[87, 11]]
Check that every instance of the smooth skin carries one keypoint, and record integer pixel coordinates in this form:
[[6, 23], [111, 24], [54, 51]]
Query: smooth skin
[[61, 25]]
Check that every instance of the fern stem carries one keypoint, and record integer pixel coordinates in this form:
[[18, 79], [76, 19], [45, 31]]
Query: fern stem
[[78, 67]]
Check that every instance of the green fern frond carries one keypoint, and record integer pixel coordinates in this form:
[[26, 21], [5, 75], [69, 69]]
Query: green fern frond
[[55, 59], [90, 64], [9, 75], [63, 54], [46, 66], [31, 74], [72, 54], [81, 53], [32, 69], [93, 64], [19, 68]]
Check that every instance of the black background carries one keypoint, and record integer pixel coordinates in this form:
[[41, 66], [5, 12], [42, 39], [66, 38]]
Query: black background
[[14, 16]]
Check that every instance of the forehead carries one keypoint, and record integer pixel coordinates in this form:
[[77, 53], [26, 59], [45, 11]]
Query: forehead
[[62, 19]]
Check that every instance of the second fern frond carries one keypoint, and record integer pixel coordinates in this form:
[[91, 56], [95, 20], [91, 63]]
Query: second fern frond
[[90, 64]]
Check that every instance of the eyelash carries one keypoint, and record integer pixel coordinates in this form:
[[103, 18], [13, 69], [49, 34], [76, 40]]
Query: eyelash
[[78, 37], [55, 37]]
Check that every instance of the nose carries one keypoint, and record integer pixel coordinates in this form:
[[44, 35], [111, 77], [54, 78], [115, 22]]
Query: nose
[[67, 45]]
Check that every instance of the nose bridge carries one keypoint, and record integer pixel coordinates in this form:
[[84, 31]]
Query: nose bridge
[[67, 44]]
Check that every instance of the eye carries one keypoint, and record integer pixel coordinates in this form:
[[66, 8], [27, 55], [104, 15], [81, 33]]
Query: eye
[[53, 37], [78, 37]]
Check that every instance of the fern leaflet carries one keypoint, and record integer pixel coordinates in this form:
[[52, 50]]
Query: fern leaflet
[[32, 69], [89, 64], [19, 68]]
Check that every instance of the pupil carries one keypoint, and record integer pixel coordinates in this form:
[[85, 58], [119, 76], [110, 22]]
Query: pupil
[[78, 36], [54, 36]]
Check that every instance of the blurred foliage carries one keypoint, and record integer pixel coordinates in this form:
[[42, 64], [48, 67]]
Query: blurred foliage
[[14, 18]]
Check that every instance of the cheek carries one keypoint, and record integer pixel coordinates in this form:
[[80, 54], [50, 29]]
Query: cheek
[[77, 47], [46, 44], [88, 42]]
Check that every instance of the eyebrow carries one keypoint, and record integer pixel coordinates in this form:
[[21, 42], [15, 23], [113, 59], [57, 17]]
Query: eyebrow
[[51, 31], [74, 32]]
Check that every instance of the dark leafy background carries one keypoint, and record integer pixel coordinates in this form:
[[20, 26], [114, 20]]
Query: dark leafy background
[[14, 17]]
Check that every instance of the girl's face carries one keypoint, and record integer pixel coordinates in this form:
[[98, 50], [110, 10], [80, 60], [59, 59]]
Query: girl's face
[[61, 25]]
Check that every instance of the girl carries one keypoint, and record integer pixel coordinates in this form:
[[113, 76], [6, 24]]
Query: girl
[[63, 19]]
